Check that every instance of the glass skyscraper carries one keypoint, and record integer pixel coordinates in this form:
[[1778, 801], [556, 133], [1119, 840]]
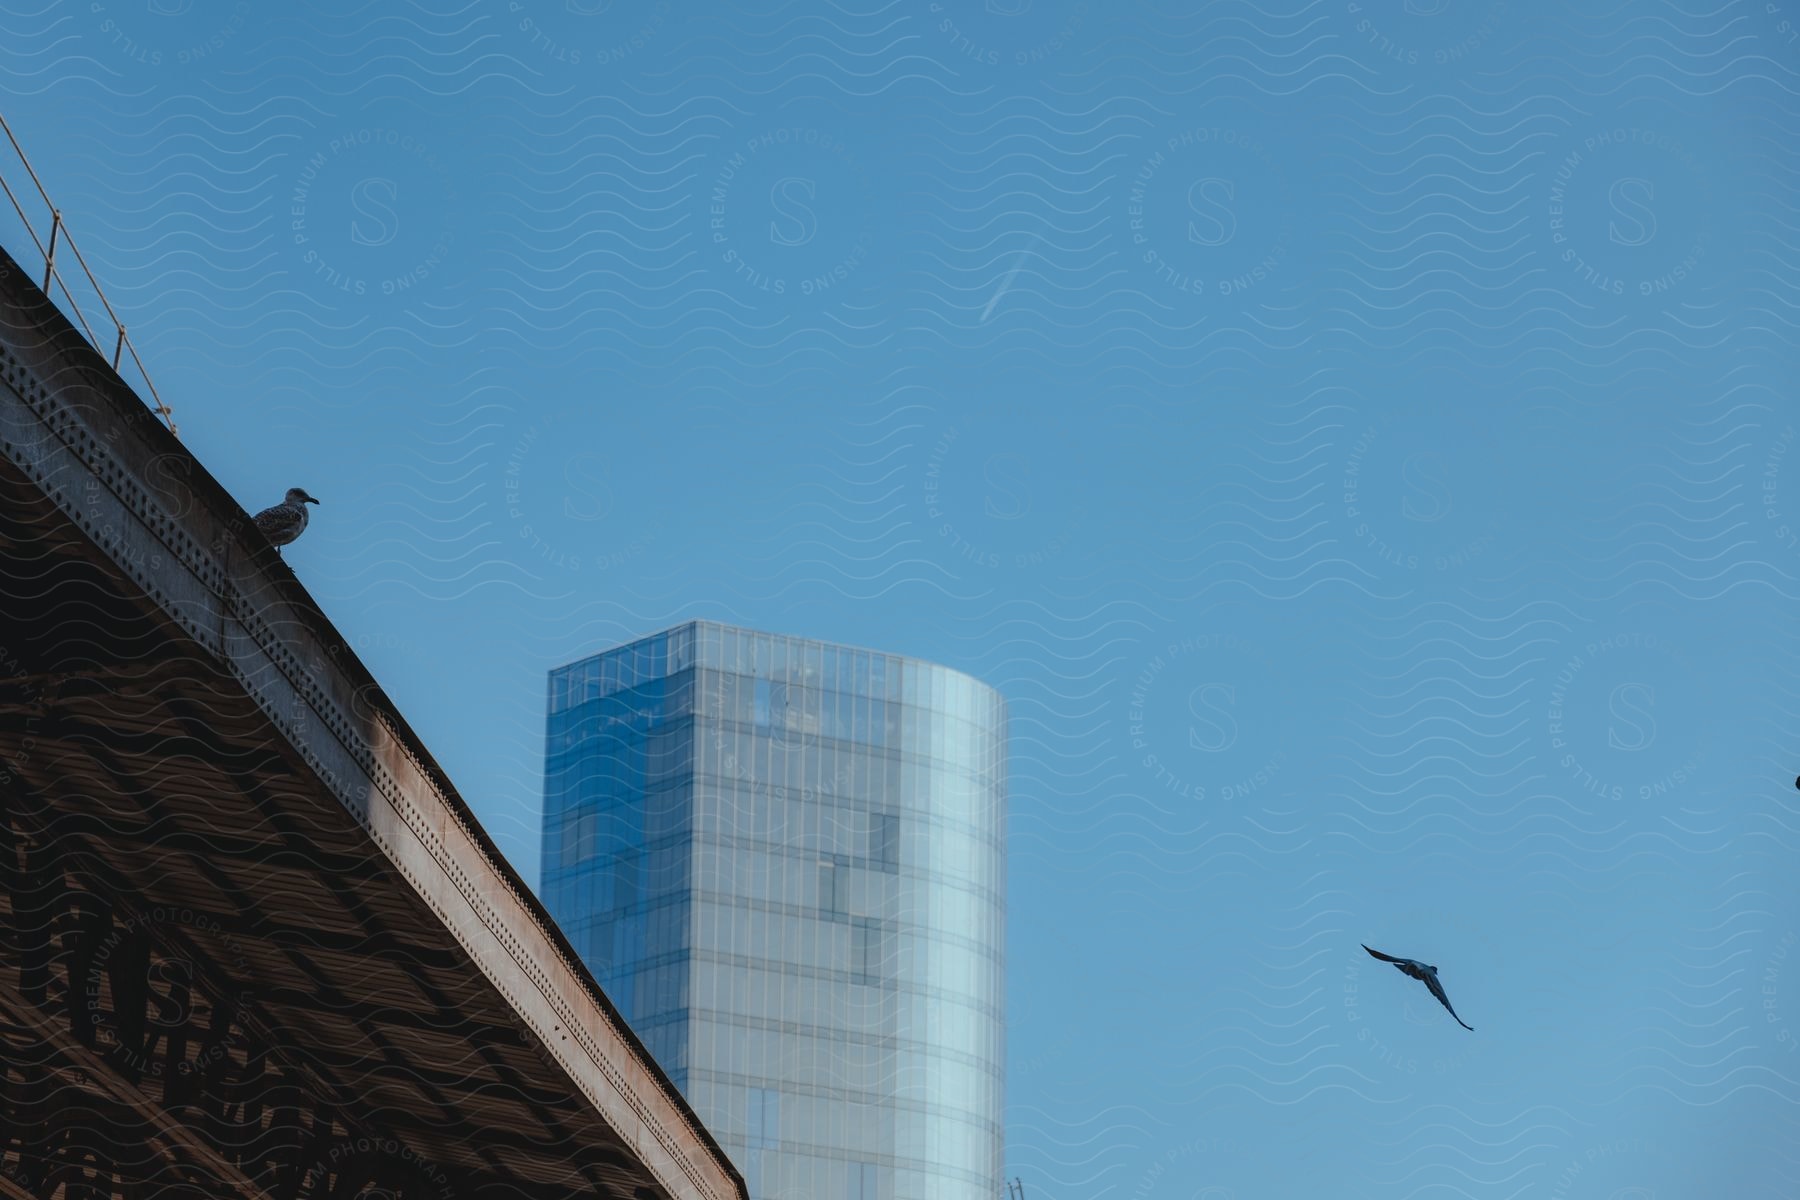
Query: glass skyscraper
[[785, 863]]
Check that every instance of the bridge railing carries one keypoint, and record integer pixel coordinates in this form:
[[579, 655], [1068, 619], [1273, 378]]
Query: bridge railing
[[55, 249]]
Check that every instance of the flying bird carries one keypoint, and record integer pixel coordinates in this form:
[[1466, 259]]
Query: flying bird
[[1427, 976], [287, 520]]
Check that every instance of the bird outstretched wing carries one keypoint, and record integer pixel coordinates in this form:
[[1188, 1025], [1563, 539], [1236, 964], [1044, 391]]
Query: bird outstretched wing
[[1427, 976], [1437, 989]]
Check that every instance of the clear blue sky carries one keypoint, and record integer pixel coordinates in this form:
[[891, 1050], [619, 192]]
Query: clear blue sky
[[1357, 440]]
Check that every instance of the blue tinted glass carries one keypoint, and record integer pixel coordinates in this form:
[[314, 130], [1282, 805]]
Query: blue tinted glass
[[782, 946]]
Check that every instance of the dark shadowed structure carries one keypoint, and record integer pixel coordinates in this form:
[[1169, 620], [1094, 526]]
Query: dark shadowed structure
[[254, 942]]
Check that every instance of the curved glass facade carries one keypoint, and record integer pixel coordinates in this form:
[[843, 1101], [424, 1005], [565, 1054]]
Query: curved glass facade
[[785, 862]]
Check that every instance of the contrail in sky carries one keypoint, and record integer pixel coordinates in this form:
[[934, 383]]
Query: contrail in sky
[[1007, 282]]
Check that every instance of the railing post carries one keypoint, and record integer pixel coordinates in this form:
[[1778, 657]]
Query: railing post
[[50, 254], [50, 250]]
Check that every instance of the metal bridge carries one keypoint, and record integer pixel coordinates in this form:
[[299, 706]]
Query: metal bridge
[[252, 942]]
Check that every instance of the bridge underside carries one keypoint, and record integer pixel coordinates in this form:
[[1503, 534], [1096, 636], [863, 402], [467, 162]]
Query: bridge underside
[[211, 974], [222, 973]]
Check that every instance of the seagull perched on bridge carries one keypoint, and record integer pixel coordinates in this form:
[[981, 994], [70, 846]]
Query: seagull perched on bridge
[[1424, 974], [287, 520]]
